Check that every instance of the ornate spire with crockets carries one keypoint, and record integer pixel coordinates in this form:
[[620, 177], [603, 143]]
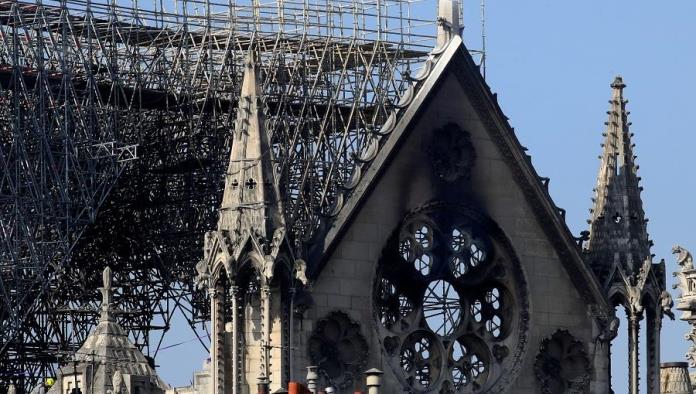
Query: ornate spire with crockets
[[250, 235], [618, 231], [250, 201], [618, 248]]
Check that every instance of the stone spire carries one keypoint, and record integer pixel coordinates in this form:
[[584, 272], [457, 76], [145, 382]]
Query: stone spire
[[108, 361], [618, 230], [250, 202], [251, 229]]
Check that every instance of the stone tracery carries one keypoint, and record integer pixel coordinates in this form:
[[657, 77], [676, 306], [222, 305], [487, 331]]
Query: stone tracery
[[339, 350], [562, 365], [450, 302]]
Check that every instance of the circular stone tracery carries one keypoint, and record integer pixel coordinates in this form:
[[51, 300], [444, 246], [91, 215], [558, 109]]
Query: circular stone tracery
[[451, 303]]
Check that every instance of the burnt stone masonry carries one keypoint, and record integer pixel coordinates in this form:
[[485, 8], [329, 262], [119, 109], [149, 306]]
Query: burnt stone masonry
[[435, 262]]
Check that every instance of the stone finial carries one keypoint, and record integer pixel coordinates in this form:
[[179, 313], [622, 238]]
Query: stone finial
[[107, 295], [106, 277], [618, 83]]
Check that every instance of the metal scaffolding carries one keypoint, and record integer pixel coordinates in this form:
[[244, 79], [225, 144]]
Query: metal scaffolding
[[115, 119]]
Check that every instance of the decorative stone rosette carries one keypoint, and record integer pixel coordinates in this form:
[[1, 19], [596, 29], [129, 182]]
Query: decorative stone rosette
[[339, 350], [562, 366]]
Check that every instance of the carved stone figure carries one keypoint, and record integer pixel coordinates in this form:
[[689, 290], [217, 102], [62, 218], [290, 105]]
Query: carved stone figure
[[301, 271], [634, 287], [686, 276], [684, 258], [666, 303], [117, 382], [203, 275], [276, 242], [268, 266]]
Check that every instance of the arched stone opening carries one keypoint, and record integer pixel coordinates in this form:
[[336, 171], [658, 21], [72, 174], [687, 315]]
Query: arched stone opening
[[651, 343], [264, 329], [619, 346]]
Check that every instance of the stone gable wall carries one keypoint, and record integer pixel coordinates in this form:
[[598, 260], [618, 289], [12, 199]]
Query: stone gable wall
[[346, 282]]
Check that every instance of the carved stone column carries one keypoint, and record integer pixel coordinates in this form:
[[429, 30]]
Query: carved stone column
[[654, 326], [234, 293], [633, 352], [217, 367], [266, 352]]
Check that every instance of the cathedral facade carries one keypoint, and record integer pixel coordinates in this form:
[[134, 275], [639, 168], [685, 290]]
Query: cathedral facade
[[444, 263]]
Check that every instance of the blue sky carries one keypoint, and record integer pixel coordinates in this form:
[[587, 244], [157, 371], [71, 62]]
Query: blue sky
[[551, 63]]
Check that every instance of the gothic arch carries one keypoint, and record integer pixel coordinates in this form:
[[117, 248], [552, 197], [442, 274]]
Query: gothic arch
[[219, 267], [617, 296]]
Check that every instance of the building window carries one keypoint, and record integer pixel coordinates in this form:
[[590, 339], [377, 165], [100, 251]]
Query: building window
[[450, 302]]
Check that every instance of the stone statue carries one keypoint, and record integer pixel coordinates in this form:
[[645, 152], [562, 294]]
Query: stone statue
[[666, 303], [301, 271], [11, 389], [117, 382], [203, 274], [268, 266], [608, 325], [277, 241], [684, 259], [634, 295], [687, 299]]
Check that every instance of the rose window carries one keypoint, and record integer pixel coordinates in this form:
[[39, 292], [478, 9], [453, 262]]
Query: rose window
[[451, 303]]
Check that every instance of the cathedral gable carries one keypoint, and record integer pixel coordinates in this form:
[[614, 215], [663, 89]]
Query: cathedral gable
[[452, 183], [455, 97]]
